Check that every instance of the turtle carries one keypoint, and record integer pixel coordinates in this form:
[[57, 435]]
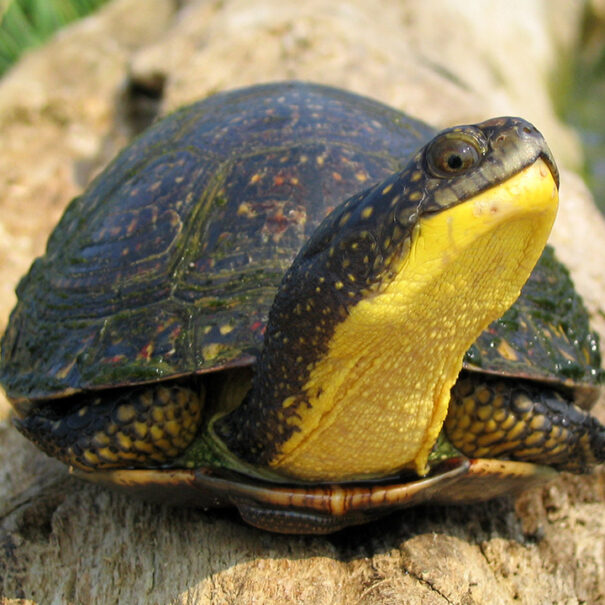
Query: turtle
[[303, 303]]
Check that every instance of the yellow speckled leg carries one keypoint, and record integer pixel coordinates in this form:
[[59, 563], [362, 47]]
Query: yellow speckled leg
[[139, 427], [519, 420]]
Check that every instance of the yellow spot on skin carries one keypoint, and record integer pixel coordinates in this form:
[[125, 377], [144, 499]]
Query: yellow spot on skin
[[504, 448], [517, 430], [533, 439], [91, 458], [163, 444], [156, 433], [101, 439], [498, 402], [127, 455], [157, 415], [146, 398], [164, 395], [172, 428], [225, 329], [387, 189], [124, 441], [468, 406], [523, 403], [369, 414], [484, 413], [367, 212], [491, 426], [125, 413], [477, 428], [483, 395], [508, 423], [140, 429], [338, 285], [490, 438], [528, 452], [538, 423], [343, 219], [397, 233], [256, 177], [464, 422], [107, 454]]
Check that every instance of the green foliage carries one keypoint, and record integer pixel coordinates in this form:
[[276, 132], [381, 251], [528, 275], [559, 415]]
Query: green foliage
[[27, 23], [579, 95]]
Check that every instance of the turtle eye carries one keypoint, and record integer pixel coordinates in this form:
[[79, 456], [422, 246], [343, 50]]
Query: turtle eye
[[451, 154]]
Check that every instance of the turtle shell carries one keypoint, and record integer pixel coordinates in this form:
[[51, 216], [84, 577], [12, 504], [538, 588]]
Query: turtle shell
[[168, 264]]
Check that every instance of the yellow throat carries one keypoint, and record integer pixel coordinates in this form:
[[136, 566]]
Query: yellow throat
[[379, 397]]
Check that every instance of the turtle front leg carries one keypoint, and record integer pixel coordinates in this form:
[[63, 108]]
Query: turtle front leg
[[519, 420], [144, 426]]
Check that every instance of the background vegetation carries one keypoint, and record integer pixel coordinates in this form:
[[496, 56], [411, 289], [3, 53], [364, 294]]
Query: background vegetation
[[27, 23]]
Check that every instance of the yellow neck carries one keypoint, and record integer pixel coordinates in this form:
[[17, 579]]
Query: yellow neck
[[378, 399]]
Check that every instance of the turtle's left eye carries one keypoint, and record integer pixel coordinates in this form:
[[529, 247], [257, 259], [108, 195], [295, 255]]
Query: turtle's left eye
[[449, 155]]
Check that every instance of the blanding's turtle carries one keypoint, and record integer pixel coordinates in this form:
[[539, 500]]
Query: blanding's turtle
[[266, 301]]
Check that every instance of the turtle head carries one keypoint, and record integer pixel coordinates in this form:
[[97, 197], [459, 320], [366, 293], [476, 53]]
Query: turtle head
[[357, 244], [370, 324]]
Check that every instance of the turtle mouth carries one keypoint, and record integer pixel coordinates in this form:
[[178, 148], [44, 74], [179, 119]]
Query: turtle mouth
[[549, 160]]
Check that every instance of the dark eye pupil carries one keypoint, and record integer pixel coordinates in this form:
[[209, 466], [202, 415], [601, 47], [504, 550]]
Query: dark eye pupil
[[454, 162], [451, 154]]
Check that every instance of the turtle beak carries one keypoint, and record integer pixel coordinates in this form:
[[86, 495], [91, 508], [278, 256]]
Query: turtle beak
[[549, 160], [526, 130], [527, 139]]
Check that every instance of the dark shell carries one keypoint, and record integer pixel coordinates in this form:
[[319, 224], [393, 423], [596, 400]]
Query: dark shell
[[167, 265]]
